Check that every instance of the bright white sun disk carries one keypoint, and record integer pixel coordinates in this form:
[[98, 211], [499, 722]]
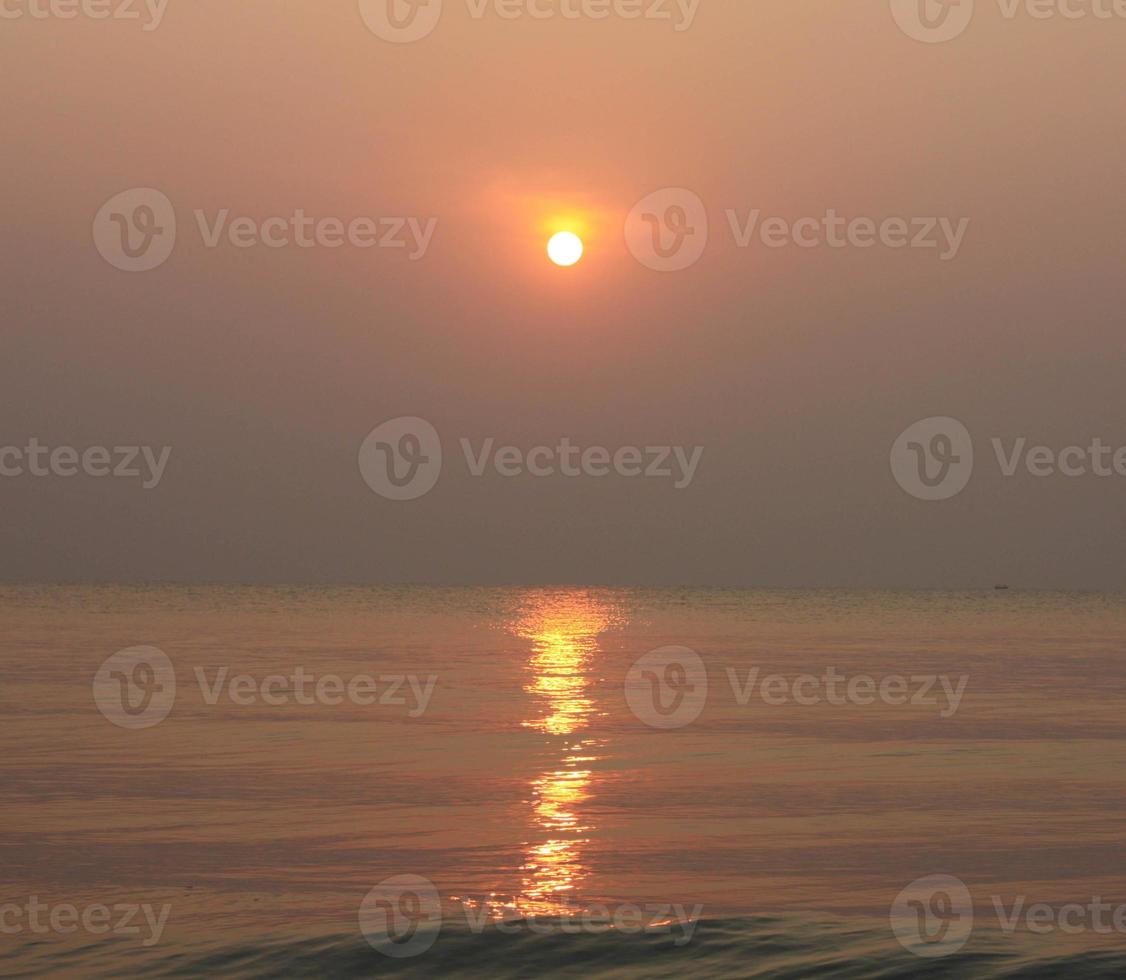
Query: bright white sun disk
[[565, 248]]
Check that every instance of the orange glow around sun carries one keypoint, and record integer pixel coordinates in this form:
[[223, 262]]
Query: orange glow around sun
[[553, 229]]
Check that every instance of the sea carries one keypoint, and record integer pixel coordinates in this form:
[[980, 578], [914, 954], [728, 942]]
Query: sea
[[567, 781]]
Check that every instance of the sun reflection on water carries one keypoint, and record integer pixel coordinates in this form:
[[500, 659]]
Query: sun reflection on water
[[563, 629]]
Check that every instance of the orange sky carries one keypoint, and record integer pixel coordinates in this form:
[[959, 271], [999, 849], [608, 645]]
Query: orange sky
[[796, 369]]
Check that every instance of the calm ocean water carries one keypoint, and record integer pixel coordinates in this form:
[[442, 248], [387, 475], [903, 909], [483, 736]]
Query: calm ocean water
[[488, 781]]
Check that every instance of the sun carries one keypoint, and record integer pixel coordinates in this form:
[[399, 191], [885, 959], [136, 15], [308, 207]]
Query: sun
[[565, 248]]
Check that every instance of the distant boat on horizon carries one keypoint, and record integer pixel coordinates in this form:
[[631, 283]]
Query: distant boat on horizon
[[1000, 588]]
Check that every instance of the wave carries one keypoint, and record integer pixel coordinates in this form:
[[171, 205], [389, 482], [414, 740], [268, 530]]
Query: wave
[[761, 948]]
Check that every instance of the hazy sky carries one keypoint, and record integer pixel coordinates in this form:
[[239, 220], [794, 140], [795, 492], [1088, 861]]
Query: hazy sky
[[795, 369]]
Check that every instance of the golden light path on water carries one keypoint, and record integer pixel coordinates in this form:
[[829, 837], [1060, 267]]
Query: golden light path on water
[[564, 631]]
